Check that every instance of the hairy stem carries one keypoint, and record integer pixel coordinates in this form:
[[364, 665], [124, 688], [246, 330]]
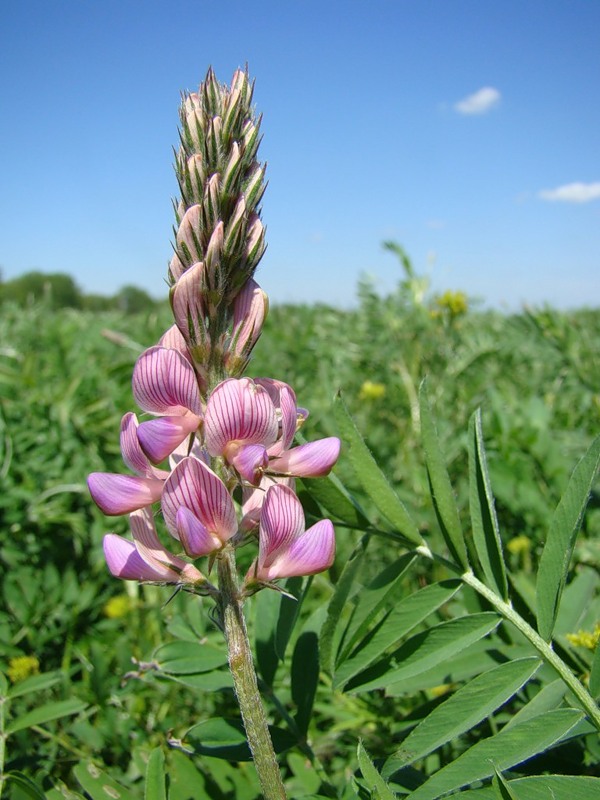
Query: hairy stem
[[244, 680], [544, 648]]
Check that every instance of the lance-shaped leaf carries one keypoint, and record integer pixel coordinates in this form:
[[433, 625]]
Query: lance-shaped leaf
[[375, 782], [372, 478], [486, 534], [404, 616], [442, 495], [500, 752], [462, 711], [423, 651], [556, 556]]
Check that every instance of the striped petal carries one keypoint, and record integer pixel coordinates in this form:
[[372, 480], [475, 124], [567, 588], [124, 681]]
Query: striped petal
[[195, 486], [284, 400], [154, 554], [242, 411], [250, 460], [133, 455], [194, 537], [281, 522], [189, 312], [310, 460], [124, 561], [118, 494], [161, 436], [311, 552], [165, 383]]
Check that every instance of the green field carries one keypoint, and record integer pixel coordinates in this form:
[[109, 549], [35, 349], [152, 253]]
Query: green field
[[99, 671]]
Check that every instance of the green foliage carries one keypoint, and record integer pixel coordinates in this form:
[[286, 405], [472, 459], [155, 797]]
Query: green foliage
[[401, 648]]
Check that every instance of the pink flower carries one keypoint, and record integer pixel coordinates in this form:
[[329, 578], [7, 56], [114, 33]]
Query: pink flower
[[286, 549], [165, 383], [197, 508], [239, 424], [251, 424], [118, 494], [145, 559]]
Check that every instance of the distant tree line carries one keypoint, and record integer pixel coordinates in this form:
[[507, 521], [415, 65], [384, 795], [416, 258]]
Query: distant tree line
[[58, 290]]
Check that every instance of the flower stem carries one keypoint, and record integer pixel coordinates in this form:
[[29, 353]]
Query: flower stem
[[244, 679], [544, 648]]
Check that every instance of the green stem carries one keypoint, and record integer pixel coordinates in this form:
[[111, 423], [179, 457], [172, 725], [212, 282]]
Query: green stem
[[244, 679], [3, 702], [544, 648]]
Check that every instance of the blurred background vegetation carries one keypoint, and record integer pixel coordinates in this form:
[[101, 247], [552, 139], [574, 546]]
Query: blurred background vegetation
[[65, 369]]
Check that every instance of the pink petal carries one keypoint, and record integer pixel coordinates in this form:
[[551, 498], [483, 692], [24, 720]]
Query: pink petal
[[281, 521], [310, 460], [194, 537], [188, 233], [160, 437], [173, 340], [312, 552], [120, 494], [284, 399], [195, 486], [165, 383], [155, 554], [133, 454], [189, 312], [124, 561], [239, 410], [249, 311], [250, 460]]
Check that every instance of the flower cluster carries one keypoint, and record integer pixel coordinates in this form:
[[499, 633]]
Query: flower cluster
[[217, 451]]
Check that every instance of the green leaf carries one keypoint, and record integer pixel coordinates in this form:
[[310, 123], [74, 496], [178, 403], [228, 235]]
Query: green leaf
[[188, 658], [379, 788], [99, 785], [372, 478], [266, 612], [289, 611], [556, 556], [406, 615], [462, 711], [594, 681], [486, 535], [26, 786], [46, 713], [34, 684], [305, 677], [502, 788], [331, 631], [424, 650], [380, 593], [332, 495], [226, 738], [500, 752], [442, 494], [155, 787], [548, 698], [544, 787]]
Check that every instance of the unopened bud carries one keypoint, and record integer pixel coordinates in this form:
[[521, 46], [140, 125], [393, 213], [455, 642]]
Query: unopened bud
[[232, 168], [188, 235]]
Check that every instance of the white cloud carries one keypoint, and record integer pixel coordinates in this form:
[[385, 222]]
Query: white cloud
[[480, 102], [572, 193]]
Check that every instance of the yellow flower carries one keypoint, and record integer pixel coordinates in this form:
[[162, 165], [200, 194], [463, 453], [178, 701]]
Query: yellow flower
[[118, 606], [586, 639], [520, 544], [22, 667], [456, 303], [371, 391]]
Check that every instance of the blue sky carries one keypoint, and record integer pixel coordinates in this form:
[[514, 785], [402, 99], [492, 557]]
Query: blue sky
[[466, 130]]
